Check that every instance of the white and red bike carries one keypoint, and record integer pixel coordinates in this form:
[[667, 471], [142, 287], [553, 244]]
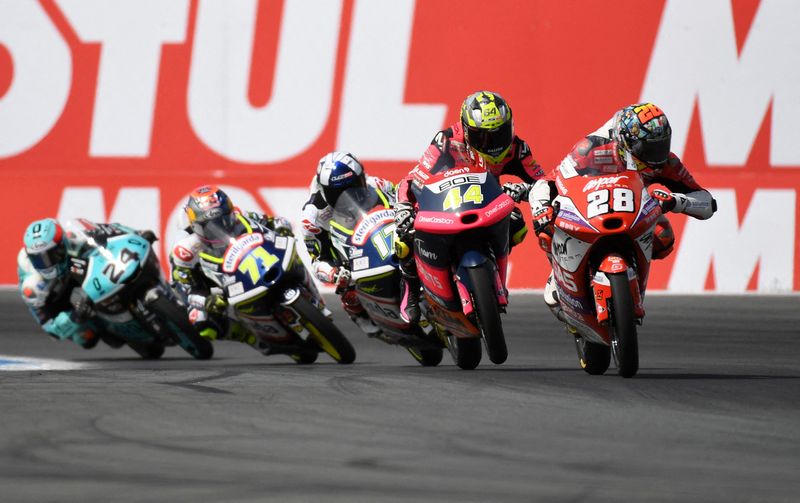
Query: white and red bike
[[601, 246]]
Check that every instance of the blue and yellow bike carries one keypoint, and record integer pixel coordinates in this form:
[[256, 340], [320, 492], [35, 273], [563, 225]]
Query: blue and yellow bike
[[362, 231], [270, 295]]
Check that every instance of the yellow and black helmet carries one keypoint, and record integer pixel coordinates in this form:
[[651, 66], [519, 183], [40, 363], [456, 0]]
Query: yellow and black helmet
[[488, 125]]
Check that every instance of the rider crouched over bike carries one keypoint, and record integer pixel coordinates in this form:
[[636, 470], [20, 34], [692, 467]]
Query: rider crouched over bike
[[641, 134], [486, 125], [47, 284], [336, 172], [194, 259]]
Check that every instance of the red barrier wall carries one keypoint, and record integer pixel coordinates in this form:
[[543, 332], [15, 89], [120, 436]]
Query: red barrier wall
[[117, 109]]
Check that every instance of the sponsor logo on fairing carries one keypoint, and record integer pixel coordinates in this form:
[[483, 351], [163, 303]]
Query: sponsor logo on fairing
[[561, 248], [428, 254], [239, 249], [459, 180], [568, 215], [505, 203], [369, 222], [602, 181], [456, 171], [568, 226], [435, 220]]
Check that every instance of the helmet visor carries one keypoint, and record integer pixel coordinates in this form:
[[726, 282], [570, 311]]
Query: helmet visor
[[652, 152], [491, 142], [218, 231], [48, 258]]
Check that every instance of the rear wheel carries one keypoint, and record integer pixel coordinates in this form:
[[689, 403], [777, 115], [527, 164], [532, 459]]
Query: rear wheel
[[468, 352], [622, 322], [594, 358], [177, 322], [484, 298], [148, 350], [324, 333]]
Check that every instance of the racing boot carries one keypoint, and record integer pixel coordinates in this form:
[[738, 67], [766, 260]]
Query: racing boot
[[358, 314], [409, 299], [551, 298]]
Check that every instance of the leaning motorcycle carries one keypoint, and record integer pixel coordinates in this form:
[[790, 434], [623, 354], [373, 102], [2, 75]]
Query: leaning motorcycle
[[601, 246], [461, 248], [270, 294], [362, 231], [122, 284]]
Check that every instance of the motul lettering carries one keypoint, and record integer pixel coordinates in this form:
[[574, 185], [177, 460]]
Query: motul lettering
[[132, 34]]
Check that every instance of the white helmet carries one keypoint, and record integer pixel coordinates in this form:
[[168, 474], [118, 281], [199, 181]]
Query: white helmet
[[337, 172]]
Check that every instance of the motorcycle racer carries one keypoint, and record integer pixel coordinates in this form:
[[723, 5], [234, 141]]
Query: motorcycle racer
[[46, 284], [336, 172], [641, 135], [486, 125], [209, 210]]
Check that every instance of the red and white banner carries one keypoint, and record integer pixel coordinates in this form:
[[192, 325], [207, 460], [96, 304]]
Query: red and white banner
[[115, 109]]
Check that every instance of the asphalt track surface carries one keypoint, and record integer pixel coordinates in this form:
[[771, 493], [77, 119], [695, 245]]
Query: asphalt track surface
[[713, 415]]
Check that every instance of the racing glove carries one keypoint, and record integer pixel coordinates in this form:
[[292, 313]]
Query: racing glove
[[670, 201], [281, 226], [517, 191], [327, 273], [404, 220], [216, 304], [542, 218]]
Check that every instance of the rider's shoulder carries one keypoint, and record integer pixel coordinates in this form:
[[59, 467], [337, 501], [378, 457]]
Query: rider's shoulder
[[185, 252], [589, 143], [604, 131]]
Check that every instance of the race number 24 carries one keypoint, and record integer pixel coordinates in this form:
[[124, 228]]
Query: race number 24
[[599, 204]]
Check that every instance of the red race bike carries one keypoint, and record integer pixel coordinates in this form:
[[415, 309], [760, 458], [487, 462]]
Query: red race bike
[[461, 250], [601, 246]]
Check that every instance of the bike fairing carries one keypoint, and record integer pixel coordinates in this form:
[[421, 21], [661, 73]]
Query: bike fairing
[[49, 300], [440, 203], [197, 273], [362, 230]]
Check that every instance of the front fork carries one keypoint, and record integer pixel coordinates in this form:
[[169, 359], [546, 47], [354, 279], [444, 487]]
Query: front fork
[[601, 286], [290, 318], [472, 259]]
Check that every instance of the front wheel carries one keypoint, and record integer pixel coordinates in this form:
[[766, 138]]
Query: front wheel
[[622, 323], [426, 357], [484, 298], [148, 350], [324, 333], [176, 321]]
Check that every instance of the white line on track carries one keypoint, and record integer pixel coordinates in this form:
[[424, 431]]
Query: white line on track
[[24, 363]]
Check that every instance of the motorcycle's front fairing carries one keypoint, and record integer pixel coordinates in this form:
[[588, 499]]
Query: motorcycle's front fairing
[[363, 234], [256, 268], [604, 226]]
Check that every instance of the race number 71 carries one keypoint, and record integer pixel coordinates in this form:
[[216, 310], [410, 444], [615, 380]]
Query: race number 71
[[599, 203]]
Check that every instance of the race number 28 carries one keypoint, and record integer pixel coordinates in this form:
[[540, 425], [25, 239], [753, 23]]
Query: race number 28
[[599, 203]]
